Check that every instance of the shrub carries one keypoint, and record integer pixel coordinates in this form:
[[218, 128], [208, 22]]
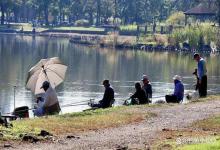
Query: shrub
[[82, 23], [196, 35], [176, 18], [132, 27], [111, 21]]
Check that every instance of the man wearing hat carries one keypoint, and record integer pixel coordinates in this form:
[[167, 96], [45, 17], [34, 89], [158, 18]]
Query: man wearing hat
[[147, 86], [51, 104], [178, 94], [108, 98], [202, 75]]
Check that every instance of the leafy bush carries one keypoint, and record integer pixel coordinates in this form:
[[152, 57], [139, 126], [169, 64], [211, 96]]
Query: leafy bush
[[111, 21], [82, 23], [132, 27], [195, 35], [176, 18]]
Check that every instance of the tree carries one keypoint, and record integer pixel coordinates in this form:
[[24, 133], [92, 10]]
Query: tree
[[43, 5], [5, 5], [218, 4]]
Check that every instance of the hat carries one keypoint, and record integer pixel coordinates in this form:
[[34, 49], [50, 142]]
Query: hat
[[195, 55], [177, 77], [45, 84], [144, 77], [105, 82]]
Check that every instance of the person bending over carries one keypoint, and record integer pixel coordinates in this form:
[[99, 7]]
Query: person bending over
[[139, 97]]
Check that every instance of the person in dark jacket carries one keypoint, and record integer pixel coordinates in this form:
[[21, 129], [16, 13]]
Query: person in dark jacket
[[178, 94], [147, 87], [108, 98], [140, 95]]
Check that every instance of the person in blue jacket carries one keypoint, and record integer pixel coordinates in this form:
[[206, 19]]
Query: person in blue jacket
[[201, 74], [178, 94]]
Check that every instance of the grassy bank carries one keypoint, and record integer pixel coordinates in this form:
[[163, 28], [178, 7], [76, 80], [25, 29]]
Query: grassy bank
[[29, 27], [201, 135], [75, 122], [211, 141]]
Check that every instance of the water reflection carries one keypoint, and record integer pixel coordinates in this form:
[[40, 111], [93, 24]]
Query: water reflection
[[88, 66]]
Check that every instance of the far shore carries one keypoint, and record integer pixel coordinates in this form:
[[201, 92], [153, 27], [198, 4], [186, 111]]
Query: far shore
[[109, 41]]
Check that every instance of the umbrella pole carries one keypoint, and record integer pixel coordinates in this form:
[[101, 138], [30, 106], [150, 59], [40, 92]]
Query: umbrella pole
[[14, 95], [45, 74]]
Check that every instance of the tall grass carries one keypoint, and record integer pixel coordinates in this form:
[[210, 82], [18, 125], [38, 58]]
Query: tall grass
[[194, 33], [131, 27]]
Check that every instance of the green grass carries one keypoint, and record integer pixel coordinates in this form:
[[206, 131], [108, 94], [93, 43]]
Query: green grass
[[75, 122], [79, 28], [206, 146], [29, 27], [212, 124], [204, 134], [208, 98], [128, 27]]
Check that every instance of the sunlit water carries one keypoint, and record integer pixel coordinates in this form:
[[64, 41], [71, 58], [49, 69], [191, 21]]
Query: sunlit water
[[88, 66]]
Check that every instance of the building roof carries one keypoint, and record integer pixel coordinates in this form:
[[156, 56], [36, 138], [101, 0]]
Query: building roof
[[201, 9]]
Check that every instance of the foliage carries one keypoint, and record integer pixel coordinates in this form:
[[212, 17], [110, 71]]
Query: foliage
[[176, 18], [193, 33], [82, 23], [96, 11], [112, 20]]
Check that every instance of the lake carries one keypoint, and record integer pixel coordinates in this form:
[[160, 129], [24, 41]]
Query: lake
[[88, 66]]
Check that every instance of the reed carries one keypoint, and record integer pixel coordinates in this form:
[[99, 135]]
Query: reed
[[194, 33]]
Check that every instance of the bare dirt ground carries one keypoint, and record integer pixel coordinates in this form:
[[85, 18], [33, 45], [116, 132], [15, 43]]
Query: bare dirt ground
[[134, 136]]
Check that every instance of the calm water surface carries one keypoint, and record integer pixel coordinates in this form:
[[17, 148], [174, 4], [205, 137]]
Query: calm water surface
[[88, 66]]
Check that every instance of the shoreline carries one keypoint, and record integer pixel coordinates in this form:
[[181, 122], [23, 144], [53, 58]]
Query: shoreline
[[122, 42], [146, 131]]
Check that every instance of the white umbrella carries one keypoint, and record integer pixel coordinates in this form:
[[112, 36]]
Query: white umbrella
[[52, 70]]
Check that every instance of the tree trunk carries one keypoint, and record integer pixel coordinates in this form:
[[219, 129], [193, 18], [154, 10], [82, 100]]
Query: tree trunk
[[98, 16], [3, 14], [46, 16], [46, 13], [90, 18], [219, 14], [15, 16]]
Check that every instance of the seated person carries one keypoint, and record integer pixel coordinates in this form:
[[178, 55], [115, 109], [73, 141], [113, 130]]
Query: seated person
[[147, 87], [108, 97], [178, 94], [39, 111], [51, 104], [139, 97]]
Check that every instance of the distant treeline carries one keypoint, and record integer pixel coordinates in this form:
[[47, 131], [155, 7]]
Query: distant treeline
[[96, 12]]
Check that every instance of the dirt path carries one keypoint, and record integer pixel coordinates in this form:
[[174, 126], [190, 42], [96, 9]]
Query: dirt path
[[136, 135]]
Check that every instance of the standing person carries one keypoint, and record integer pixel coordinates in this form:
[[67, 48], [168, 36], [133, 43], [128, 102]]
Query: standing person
[[147, 87], [178, 94], [140, 95], [202, 75], [108, 98], [51, 104]]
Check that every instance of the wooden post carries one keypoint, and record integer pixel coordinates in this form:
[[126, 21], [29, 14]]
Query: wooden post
[[137, 33], [145, 29], [185, 20], [161, 29]]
